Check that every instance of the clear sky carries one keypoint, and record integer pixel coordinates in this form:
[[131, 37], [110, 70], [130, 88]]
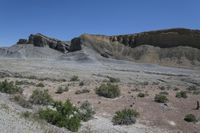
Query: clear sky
[[65, 19]]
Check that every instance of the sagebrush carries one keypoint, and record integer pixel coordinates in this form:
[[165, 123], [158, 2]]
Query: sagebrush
[[63, 115], [9, 87], [125, 117], [108, 90], [40, 97]]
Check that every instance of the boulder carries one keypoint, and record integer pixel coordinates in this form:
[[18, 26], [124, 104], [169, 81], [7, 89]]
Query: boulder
[[75, 44], [38, 40], [61, 47]]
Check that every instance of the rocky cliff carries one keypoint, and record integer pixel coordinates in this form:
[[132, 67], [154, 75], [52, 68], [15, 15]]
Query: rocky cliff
[[167, 47], [40, 40], [161, 38]]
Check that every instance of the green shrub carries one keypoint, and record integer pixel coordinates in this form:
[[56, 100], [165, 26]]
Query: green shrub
[[9, 87], [65, 115], [86, 111], [24, 82], [82, 91], [66, 88], [144, 83], [181, 94], [155, 83], [40, 97], [108, 90], [176, 89], [4, 106], [141, 94], [81, 83], [40, 85], [160, 98], [190, 118], [74, 78], [73, 124], [164, 93], [31, 77], [26, 114], [113, 80], [19, 99], [61, 89], [162, 88], [194, 90], [125, 117]]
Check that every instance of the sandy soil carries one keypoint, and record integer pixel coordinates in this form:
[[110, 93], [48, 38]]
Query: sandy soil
[[134, 78]]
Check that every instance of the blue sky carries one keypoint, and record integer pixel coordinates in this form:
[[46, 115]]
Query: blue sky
[[65, 19]]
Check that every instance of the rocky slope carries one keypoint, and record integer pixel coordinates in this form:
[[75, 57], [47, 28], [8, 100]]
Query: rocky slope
[[167, 47], [28, 51]]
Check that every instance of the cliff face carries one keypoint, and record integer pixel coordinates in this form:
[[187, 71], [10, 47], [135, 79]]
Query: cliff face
[[162, 38]]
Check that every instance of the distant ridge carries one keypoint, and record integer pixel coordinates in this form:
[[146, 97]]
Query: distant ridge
[[164, 38], [173, 47]]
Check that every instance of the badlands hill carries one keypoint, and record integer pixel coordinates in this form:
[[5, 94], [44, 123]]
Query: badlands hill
[[173, 47]]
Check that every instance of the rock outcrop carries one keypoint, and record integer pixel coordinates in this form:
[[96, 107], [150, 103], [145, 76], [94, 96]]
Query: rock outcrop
[[40, 40], [75, 44], [22, 41]]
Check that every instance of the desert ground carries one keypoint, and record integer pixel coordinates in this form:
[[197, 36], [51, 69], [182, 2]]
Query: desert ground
[[134, 78]]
